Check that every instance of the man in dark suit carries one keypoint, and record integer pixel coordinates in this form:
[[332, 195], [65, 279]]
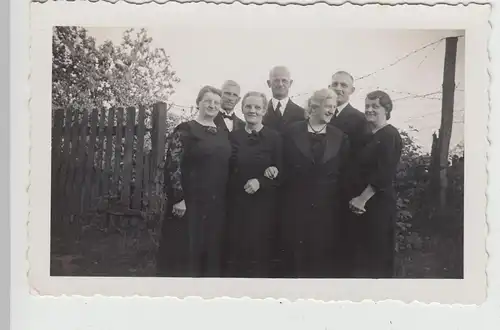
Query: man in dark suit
[[347, 118], [226, 119], [281, 111], [353, 123]]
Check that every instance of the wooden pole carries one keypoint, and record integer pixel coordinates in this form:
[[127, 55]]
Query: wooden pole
[[434, 169], [159, 131], [128, 156], [448, 100], [158, 139], [139, 159]]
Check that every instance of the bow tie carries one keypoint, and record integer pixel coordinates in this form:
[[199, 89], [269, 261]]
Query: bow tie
[[230, 117]]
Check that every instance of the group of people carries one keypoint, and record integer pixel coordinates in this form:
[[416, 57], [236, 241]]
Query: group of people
[[287, 192]]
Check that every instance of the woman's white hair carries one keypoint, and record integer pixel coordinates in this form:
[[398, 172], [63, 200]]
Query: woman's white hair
[[320, 96], [257, 94]]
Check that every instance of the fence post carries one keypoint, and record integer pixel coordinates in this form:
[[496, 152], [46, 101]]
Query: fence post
[[159, 129], [64, 173], [128, 156], [158, 137], [73, 164], [80, 169], [434, 167], [117, 185], [107, 169], [139, 159], [57, 131], [100, 155]]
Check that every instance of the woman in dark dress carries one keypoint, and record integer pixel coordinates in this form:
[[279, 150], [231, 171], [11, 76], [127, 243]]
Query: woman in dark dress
[[315, 155], [373, 202], [196, 173], [254, 175]]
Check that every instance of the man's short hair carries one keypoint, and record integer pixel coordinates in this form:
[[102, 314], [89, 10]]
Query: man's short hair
[[346, 73], [230, 83]]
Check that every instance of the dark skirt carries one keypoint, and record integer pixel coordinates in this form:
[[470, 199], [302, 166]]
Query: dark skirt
[[373, 239], [310, 220], [249, 235], [191, 246]]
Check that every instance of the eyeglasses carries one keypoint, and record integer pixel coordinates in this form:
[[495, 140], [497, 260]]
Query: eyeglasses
[[210, 102]]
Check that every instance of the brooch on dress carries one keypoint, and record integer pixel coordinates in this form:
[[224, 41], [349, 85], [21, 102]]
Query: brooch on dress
[[254, 137], [211, 130]]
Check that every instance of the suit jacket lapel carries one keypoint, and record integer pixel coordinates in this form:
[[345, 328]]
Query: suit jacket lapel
[[343, 115], [302, 142], [288, 113], [270, 114], [332, 145], [237, 122], [219, 122]]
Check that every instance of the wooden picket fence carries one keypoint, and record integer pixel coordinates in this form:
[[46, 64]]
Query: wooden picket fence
[[107, 161]]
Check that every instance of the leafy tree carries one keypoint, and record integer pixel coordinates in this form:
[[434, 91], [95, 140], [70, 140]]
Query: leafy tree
[[86, 76], [142, 74], [78, 74]]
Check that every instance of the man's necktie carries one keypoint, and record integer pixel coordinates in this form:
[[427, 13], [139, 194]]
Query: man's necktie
[[336, 113], [278, 109]]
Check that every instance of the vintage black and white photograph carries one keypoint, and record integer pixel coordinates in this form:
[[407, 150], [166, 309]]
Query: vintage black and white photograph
[[258, 150], [168, 161]]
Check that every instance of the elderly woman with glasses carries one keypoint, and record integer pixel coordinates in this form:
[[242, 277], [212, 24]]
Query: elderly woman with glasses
[[196, 173], [314, 157], [372, 198], [255, 167]]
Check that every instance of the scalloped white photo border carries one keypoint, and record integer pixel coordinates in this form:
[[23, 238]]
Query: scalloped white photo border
[[473, 19]]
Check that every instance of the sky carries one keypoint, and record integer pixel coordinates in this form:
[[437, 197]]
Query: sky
[[209, 55]]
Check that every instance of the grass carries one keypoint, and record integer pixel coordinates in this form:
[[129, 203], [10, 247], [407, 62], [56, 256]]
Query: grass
[[89, 250]]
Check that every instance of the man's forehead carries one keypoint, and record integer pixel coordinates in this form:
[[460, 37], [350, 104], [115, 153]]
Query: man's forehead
[[343, 77], [231, 88], [280, 73]]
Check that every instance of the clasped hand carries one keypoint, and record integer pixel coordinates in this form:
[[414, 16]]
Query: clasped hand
[[357, 205], [179, 209], [271, 172], [252, 186]]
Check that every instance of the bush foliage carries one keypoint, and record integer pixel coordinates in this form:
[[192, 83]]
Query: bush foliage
[[413, 190]]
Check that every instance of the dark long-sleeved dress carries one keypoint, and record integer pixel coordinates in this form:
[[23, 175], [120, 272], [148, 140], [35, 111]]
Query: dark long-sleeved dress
[[196, 171], [313, 164], [252, 216], [373, 232]]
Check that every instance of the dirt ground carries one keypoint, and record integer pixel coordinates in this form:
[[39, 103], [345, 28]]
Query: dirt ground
[[99, 252]]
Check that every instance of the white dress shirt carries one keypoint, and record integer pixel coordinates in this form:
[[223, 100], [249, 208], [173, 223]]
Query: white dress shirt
[[283, 102], [229, 122], [341, 107]]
